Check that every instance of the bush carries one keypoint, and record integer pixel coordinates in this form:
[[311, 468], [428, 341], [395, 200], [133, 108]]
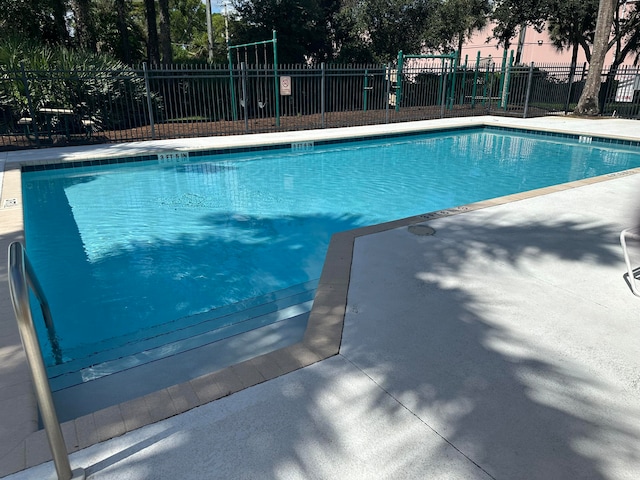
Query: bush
[[95, 86]]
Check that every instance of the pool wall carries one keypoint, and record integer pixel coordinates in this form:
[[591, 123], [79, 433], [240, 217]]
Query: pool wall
[[22, 445]]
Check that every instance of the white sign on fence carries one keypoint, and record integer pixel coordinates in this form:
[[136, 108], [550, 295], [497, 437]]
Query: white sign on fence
[[285, 85]]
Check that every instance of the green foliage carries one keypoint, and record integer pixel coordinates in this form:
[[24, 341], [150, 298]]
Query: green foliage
[[188, 19], [456, 21], [303, 31], [387, 26], [93, 85], [572, 23], [350, 46], [110, 40], [510, 15], [626, 32], [13, 53], [189, 33], [39, 20]]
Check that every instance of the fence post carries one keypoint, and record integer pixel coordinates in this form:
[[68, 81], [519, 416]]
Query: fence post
[[443, 90], [388, 77], [440, 82], [487, 78], [399, 81], [232, 87], [507, 80], [365, 88], [464, 79], [526, 99], [275, 77], [503, 68], [32, 113], [568, 100], [474, 90], [149, 104], [452, 96], [489, 83], [243, 75], [322, 99]]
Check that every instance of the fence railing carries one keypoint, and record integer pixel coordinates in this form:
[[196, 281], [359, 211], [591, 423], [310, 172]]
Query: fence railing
[[43, 108]]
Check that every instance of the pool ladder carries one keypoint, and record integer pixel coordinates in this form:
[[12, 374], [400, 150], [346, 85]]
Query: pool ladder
[[21, 277]]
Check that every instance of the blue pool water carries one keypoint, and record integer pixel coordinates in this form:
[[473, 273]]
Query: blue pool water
[[129, 250]]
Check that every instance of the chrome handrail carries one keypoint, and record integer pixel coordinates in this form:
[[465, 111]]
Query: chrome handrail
[[633, 234], [20, 278], [32, 281]]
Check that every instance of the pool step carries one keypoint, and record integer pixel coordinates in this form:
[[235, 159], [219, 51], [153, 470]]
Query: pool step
[[224, 315], [220, 324], [124, 385]]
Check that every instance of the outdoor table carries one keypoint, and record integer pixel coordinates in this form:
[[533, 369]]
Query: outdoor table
[[65, 114]]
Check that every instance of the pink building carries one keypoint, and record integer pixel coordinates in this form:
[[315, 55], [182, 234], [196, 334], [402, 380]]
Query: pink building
[[537, 48]]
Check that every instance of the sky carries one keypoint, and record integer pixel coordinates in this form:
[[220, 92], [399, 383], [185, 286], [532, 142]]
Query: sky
[[216, 5]]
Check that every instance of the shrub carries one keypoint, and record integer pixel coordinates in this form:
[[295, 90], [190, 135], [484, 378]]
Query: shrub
[[95, 86]]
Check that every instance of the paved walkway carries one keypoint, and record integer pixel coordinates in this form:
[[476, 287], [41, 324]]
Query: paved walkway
[[504, 346]]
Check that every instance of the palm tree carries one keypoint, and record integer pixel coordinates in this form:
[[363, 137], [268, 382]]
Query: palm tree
[[572, 24]]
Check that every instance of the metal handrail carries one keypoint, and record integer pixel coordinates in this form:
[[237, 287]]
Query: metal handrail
[[633, 234], [32, 281], [20, 278]]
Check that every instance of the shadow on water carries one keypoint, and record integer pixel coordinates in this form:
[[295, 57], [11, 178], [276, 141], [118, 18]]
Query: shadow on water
[[231, 259]]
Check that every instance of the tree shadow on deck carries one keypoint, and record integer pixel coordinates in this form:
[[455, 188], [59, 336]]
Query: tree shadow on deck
[[440, 377], [528, 370]]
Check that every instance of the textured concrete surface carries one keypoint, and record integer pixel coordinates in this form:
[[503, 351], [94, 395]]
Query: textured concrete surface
[[504, 346]]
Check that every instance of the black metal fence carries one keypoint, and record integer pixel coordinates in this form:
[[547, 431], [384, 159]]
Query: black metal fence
[[43, 108]]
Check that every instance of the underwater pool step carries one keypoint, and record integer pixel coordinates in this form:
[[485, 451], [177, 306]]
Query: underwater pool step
[[86, 355], [173, 346], [121, 386], [181, 339]]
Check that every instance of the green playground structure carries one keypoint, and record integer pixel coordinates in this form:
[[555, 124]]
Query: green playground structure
[[447, 76], [255, 45]]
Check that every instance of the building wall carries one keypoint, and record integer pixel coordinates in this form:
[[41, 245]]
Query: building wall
[[537, 48]]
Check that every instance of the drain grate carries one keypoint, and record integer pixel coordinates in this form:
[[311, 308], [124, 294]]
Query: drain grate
[[422, 230]]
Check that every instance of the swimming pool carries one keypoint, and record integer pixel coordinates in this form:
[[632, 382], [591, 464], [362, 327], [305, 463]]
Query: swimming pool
[[143, 249]]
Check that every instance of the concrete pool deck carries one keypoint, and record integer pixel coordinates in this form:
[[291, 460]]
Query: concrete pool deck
[[504, 346]]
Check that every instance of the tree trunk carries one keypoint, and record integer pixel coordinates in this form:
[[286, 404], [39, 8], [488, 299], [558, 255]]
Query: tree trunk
[[59, 12], [572, 74], [461, 36], [586, 49], [588, 103], [574, 59], [152, 33], [121, 21], [521, 35], [84, 28], [165, 32]]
